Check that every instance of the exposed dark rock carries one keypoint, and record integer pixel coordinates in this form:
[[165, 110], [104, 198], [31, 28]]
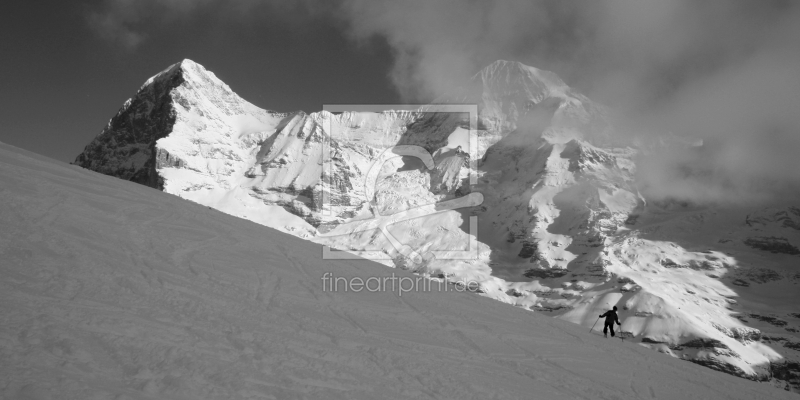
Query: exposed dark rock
[[787, 218], [623, 280], [551, 308], [713, 345], [721, 366], [740, 318], [432, 129], [792, 218], [772, 244], [583, 157], [761, 275], [702, 343], [165, 160], [302, 210], [702, 265], [126, 147], [792, 345], [769, 320], [545, 273], [597, 270], [668, 263], [787, 371], [727, 332], [740, 334], [528, 249]]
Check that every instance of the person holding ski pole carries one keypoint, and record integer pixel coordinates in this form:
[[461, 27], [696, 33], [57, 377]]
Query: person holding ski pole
[[611, 317]]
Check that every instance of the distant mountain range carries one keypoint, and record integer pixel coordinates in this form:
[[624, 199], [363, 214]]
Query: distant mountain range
[[562, 226]]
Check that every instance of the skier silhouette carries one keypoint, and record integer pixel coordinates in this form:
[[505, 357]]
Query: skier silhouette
[[611, 317]]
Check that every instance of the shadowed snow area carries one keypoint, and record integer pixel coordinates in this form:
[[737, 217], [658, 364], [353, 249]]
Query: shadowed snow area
[[111, 290]]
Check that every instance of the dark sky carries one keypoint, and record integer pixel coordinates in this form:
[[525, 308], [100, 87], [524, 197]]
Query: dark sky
[[62, 80]]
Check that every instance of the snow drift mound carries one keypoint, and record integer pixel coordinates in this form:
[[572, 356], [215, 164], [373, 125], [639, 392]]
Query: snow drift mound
[[110, 290]]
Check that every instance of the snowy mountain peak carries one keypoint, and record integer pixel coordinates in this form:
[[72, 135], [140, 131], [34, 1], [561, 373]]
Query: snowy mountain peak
[[513, 77], [187, 71], [185, 102], [511, 95]]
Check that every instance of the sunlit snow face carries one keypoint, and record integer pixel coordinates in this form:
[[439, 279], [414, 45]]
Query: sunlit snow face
[[444, 160]]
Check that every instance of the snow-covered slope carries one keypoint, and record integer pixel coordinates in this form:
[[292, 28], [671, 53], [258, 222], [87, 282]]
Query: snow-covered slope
[[588, 241], [113, 291], [562, 226], [187, 133]]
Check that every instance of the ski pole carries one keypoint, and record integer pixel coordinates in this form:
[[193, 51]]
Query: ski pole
[[595, 323]]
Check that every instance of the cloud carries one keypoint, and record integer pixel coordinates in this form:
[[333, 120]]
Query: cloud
[[747, 116], [722, 71], [114, 30], [438, 44], [124, 22]]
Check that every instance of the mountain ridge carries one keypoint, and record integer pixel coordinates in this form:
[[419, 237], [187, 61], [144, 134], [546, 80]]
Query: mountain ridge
[[563, 227]]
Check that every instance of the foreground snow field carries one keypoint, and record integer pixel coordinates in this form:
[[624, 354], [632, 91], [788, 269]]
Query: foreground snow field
[[110, 290]]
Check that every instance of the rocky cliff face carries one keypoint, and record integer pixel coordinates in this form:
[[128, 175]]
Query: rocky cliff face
[[126, 147], [561, 225], [187, 133]]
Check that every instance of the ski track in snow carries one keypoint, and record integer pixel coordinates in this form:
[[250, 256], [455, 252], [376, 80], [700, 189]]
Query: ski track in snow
[[111, 290]]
